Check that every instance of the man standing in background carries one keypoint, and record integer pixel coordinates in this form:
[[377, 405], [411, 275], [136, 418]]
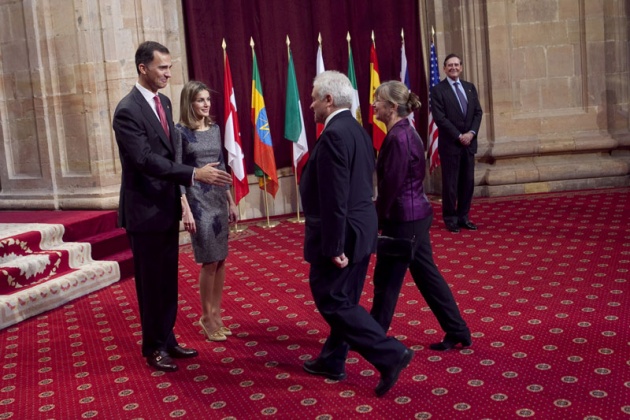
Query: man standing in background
[[457, 114]]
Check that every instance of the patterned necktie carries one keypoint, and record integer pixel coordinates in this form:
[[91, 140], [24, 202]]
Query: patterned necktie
[[161, 114], [462, 99]]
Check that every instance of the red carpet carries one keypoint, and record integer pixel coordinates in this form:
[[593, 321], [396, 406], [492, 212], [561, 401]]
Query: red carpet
[[543, 285]]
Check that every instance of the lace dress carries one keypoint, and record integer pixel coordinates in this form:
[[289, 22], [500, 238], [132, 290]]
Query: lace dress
[[208, 203]]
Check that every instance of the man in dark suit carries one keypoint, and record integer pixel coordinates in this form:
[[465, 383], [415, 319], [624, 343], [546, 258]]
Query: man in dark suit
[[340, 235], [150, 207], [457, 114]]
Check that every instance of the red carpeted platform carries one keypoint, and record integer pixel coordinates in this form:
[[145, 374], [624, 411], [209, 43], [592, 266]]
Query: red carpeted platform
[[543, 285], [48, 258]]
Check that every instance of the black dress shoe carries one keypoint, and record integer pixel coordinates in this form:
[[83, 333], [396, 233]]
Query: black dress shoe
[[390, 377], [468, 225], [317, 367], [181, 353], [160, 360], [452, 227], [450, 342]]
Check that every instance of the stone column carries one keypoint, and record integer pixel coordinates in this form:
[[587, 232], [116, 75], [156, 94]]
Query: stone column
[[64, 65]]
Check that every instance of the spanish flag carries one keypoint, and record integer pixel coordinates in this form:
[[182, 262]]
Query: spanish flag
[[379, 130], [263, 147]]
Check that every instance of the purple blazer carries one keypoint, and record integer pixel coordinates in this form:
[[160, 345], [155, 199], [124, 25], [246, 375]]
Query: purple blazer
[[400, 169]]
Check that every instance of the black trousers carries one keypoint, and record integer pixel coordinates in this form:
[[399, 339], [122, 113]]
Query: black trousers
[[389, 274], [155, 259], [336, 293], [458, 185]]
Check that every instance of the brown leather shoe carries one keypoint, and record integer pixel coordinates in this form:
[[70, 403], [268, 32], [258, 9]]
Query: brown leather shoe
[[160, 360]]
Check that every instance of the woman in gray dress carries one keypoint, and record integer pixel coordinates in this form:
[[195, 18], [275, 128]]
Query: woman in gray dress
[[207, 210]]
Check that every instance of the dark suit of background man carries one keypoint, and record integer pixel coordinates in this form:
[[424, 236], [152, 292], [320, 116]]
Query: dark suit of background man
[[340, 235], [457, 114], [150, 207]]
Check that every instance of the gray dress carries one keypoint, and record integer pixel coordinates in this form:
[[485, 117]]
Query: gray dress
[[208, 203]]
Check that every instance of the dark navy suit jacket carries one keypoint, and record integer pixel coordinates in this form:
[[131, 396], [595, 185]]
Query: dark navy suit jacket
[[336, 189], [149, 192], [449, 119]]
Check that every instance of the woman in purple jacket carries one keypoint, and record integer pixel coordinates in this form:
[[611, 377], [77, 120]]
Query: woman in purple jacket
[[404, 211]]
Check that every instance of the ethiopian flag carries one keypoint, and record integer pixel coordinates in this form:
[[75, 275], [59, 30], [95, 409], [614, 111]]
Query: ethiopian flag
[[264, 159]]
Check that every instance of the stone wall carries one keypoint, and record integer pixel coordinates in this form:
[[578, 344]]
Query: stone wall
[[553, 76], [63, 68]]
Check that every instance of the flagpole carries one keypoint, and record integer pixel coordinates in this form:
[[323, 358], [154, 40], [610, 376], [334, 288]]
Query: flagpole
[[297, 218], [268, 223], [235, 227], [438, 198]]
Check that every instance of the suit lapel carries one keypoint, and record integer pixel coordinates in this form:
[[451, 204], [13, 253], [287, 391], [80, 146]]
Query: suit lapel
[[150, 116], [452, 96]]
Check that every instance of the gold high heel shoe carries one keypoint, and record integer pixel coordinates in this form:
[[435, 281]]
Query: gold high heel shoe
[[215, 336], [225, 331]]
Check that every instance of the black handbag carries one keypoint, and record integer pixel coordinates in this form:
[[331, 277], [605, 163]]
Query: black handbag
[[400, 248]]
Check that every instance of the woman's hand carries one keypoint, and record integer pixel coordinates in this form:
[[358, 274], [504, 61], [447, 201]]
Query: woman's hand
[[232, 208], [232, 213], [187, 217]]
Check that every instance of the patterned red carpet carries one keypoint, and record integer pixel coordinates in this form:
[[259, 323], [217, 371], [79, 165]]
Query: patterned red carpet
[[543, 285]]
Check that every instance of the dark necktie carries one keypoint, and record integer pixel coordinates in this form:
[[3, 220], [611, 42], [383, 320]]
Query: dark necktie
[[462, 99], [161, 114]]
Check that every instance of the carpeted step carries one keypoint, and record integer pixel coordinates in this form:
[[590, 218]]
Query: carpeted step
[[56, 291], [124, 260], [108, 242], [113, 245], [50, 257], [40, 271]]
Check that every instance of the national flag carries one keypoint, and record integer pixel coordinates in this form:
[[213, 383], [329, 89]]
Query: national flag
[[356, 107], [379, 130], [294, 121], [319, 68], [233, 144], [434, 79], [404, 75], [263, 147]]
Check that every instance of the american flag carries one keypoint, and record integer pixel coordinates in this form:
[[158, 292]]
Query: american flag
[[432, 150]]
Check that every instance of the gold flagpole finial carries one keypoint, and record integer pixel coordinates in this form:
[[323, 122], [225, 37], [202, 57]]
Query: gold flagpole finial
[[348, 37], [319, 38], [251, 42]]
